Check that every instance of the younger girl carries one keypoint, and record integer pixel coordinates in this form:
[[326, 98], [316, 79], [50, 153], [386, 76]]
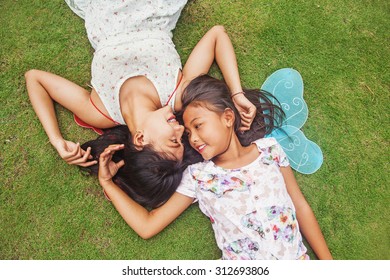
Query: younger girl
[[249, 192]]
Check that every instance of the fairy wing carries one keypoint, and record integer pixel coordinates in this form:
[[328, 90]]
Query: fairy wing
[[286, 85], [304, 155]]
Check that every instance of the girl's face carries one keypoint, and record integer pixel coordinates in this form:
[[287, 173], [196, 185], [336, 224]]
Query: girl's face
[[162, 130], [209, 133]]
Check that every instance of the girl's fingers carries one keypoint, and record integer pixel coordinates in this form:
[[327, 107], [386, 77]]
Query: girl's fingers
[[88, 151], [112, 149], [250, 114], [80, 161], [105, 155], [86, 154], [89, 163], [120, 163], [79, 157], [116, 147], [246, 122], [252, 110], [108, 152], [76, 153]]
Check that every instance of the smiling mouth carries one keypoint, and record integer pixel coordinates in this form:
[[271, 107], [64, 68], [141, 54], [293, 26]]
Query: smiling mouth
[[171, 119], [201, 148]]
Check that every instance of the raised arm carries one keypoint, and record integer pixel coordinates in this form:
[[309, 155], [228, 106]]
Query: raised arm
[[43, 89], [145, 223], [307, 221], [216, 45]]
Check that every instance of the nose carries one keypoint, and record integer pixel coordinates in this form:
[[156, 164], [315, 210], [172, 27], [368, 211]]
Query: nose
[[179, 129], [193, 138]]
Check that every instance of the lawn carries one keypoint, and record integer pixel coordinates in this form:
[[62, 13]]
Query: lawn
[[50, 210]]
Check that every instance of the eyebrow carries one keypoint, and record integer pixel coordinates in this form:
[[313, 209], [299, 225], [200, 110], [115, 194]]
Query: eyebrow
[[192, 121]]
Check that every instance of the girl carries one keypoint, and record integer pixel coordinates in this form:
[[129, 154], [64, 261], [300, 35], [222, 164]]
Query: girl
[[249, 192], [151, 179], [136, 77]]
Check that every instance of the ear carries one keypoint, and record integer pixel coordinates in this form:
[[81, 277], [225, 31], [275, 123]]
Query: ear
[[229, 117], [138, 140]]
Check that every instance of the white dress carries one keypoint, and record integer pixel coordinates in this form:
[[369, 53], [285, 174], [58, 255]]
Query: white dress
[[251, 212], [131, 38]]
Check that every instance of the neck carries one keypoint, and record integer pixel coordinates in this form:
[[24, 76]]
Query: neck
[[134, 108], [137, 98], [179, 92], [236, 155]]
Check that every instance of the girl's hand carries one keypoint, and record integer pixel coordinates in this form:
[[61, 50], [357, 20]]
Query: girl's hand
[[246, 109], [73, 154], [108, 168]]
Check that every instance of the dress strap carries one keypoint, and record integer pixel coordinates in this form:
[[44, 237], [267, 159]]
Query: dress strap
[[173, 93], [90, 99]]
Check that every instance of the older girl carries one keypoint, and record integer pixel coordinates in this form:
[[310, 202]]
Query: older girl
[[136, 77]]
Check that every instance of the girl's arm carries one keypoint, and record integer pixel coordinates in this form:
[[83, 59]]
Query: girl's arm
[[216, 45], [307, 221], [145, 223], [43, 89]]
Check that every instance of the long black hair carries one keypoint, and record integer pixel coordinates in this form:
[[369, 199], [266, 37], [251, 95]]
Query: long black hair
[[149, 177], [215, 95]]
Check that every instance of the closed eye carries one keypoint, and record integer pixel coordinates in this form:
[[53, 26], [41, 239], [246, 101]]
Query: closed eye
[[175, 143]]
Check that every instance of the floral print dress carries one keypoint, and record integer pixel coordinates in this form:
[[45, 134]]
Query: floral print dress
[[252, 215], [131, 38]]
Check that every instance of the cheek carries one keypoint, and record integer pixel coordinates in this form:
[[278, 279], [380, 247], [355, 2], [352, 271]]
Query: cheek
[[152, 124], [160, 133], [220, 136], [192, 145]]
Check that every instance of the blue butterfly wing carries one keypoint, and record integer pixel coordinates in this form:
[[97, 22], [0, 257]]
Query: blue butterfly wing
[[304, 155], [286, 85]]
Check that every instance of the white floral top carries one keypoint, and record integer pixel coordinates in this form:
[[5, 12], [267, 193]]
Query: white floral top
[[251, 212], [131, 38]]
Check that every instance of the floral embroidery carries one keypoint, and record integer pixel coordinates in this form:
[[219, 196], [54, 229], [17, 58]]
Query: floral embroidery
[[272, 154], [219, 184], [250, 221], [284, 222], [242, 249]]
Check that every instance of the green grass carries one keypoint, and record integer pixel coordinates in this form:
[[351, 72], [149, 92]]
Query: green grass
[[49, 210]]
